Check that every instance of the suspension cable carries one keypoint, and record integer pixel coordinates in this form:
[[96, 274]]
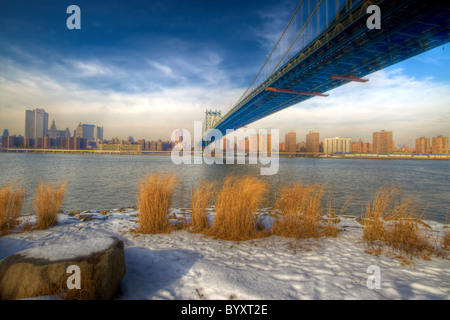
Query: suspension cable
[[279, 39]]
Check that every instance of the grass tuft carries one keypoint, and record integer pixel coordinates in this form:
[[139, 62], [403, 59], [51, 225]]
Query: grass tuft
[[11, 203], [300, 210], [154, 200], [236, 205], [395, 223], [48, 199]]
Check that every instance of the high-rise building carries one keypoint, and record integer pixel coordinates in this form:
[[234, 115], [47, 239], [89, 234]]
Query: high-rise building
[[89, 132], [253, 143], [383, 142], [36, 123], [312, 142], [98, 133], [440, 145], [423, 145], [334, 145], [291, 141]]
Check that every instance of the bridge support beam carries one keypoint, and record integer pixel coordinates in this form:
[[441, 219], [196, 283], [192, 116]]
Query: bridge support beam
[[348, 78], [301, 93]]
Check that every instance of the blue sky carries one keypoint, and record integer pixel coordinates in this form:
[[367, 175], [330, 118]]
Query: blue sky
[[144, 68]]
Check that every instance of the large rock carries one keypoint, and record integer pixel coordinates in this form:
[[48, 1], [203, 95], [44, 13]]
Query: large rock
[[42, 270]]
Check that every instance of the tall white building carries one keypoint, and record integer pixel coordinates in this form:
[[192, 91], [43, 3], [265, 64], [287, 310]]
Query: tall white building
[[333, 145], [36, 123]]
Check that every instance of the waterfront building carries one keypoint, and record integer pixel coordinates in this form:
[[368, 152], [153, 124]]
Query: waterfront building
[[291, 141], [312, 142], [423, 145], [383, 142], [337, 145], [362, 147], [55, 133], [12, 141], [120, 147], [36, 123], [440, 145], [159, 145]]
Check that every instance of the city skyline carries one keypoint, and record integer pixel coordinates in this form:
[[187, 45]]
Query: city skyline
[[156, 68], [39, 135]]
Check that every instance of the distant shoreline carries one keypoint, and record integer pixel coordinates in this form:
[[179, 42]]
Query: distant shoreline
[[384, 156], [391, 156]]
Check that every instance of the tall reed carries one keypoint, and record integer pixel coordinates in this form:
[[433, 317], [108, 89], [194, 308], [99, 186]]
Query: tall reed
[[153, 201], [299, 207], [236, 205], [48, 199], [201, 199], [11, 203]]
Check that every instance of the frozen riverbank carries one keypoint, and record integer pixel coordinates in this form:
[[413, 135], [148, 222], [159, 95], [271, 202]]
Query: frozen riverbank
[[185, 265]]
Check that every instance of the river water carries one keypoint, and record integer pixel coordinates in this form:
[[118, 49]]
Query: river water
[[111, 181]]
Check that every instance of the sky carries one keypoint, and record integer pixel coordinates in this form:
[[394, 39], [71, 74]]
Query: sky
[[145, 68]]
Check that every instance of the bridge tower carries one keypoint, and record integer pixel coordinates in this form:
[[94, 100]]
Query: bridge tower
[[211, 118]]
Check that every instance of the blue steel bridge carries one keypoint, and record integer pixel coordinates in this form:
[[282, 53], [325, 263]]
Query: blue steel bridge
[[327, 43]]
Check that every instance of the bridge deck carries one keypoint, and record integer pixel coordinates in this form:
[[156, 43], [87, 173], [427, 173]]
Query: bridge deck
[[347, 47]]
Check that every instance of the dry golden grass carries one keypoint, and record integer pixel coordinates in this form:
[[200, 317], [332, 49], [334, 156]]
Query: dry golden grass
[[395, 224], [154, 200], [201, 199], [300, 211], [236, 205], [11, 203], [48, 199]]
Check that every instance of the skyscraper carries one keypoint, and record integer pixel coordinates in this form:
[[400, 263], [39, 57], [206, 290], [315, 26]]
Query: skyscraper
[[36, 123], [383, 142], [89, 132], [312, 142], [98, 133], [291, 141]]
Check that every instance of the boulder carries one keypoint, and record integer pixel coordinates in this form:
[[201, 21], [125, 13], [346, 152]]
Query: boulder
[[43, 271]]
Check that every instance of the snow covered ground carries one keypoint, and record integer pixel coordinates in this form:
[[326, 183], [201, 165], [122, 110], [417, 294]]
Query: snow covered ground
[[185, 265]]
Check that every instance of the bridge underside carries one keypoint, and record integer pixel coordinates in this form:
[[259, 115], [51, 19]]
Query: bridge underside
[[348, 48]]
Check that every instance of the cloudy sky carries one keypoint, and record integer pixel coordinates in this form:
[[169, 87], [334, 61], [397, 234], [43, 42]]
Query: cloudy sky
[[144, 68]]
